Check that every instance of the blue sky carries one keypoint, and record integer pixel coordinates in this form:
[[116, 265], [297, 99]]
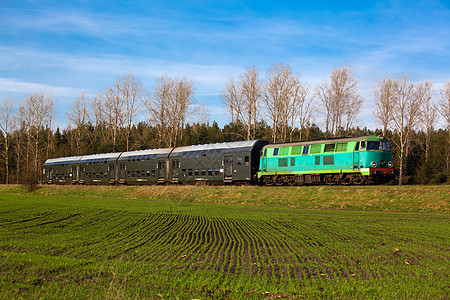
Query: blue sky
[[66, 47]]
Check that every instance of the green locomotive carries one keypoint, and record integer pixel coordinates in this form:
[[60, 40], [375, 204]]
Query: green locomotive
[[366, 159]]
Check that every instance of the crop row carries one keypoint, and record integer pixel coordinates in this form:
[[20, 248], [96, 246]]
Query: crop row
[[272, 249]]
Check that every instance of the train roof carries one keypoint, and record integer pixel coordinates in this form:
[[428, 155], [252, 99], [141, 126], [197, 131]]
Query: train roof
[[148, 152], [100, 157], [328, 141], [241, 146], [61, 160]]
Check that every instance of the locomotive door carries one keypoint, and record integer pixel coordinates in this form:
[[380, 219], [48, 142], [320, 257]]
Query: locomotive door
[[228, 168], [356, 156], [264, 164]]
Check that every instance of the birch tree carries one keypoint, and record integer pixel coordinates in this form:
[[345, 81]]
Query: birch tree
[[384, 99], [444, 109], [36, 112], [6, 119], [428, 116], [78, 118], [243, 100], [278, 90], [169, 107], [405, 117], [341, 100], [131, 94]]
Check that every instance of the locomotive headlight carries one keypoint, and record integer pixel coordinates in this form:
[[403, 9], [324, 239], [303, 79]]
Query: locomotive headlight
[[374, 164], [390, 164]]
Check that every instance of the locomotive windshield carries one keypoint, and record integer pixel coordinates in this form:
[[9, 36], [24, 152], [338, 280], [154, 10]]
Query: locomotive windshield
[[378, 145]]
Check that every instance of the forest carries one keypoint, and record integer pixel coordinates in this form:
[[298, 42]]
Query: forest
[[277, 106]]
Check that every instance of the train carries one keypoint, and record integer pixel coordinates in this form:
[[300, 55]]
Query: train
[[356, 160]]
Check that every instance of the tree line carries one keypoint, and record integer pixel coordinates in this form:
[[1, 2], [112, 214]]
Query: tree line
[[278, 106]]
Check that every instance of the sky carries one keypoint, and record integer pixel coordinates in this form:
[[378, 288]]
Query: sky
[[65, 48]]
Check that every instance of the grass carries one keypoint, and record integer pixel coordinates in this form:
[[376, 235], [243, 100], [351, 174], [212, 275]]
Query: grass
[[224, 242]]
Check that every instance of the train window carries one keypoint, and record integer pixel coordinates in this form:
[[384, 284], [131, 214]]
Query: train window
[[385, 146], [143, 174], [296, 150], [282, 162], [183, 172], [292, 161], [247, 160], [239, 161], [190, 172], [203, 172], [133, 174], [161, 165], [328, 160], [284, 150], [153, 173], [341, 147], [317, 160], [357, 146], [265, 152], [197, 155], [363, 145], [210, 172], [305, 150], [329, 147], [175, 164], [373, 145], [315, 149], [275, 151], [216, 172], [148, 173], [197, 172], [138, 174]]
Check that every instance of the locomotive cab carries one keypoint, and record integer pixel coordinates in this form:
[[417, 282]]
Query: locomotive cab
[[375, 158]]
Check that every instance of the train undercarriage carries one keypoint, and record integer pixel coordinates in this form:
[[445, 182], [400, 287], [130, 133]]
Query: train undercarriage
[[330, 179]]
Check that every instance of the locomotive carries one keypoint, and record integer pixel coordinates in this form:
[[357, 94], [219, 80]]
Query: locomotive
[[366, 159]]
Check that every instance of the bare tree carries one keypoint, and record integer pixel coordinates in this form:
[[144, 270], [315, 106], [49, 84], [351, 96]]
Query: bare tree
[[36, 112], [444, 105], [113, 109], [6, 119], [242, 100], [428, 115], [341, 100], [384, 100], [169, 107], [157, 105], [302, 105], [278, 93], [405, 116], [251, 91], [131, 93], [78, 117]]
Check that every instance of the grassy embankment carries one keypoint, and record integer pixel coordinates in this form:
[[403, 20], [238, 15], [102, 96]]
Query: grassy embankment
[[128, 242]]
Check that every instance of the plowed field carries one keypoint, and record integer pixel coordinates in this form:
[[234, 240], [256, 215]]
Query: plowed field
[[96, 248]]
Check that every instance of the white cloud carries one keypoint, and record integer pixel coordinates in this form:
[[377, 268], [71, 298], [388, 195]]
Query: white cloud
[[11, 85]]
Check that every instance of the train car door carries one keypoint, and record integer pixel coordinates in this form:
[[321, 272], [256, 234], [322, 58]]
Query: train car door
[[228, 169], [161, 170], [112, 172]]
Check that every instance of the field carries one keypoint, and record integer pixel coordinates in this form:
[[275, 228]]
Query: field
[[224, 242]]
